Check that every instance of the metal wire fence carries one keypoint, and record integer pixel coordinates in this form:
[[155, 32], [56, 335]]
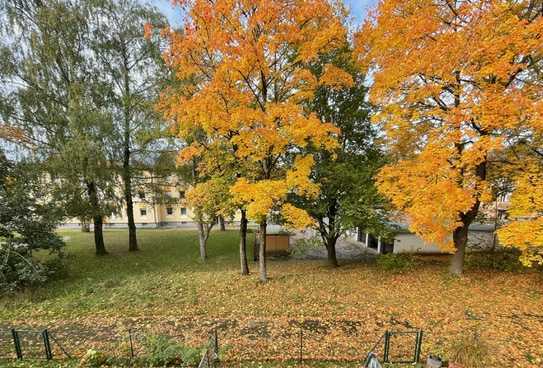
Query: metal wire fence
[[255, 340]]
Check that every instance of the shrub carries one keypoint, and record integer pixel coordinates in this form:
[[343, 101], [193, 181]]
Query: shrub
[[163, 351], [17, 267], [93, 358], [470, 350], [57, 267], [303, 245], [500, 260], [395, 262], [27, 224]]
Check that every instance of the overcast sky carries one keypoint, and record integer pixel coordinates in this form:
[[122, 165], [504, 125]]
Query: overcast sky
[[358, 8]]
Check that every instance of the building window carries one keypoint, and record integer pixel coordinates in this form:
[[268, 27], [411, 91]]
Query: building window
[[169, 211], [143, 212], [373, 242], [141, 195], [181, 194], [183, 211]]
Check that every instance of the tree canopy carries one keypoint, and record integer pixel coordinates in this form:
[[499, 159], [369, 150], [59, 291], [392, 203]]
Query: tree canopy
[[248, 68], [453, 80]]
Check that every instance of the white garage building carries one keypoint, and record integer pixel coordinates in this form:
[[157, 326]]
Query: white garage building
[[480, 237]]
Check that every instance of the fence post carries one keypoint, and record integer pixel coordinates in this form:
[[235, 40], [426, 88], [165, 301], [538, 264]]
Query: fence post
[[216, 344], [301, 344], [418, 346], [17, 343], [47, 344], [387, 346], [131, 343]]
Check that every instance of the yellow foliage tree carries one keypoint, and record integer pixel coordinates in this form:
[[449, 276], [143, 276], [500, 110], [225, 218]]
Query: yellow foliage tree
[[247, 63], [208, 200], [525, 231], [453, 80]]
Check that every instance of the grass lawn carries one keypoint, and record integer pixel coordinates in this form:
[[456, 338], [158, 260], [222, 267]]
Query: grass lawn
[[166, 289]]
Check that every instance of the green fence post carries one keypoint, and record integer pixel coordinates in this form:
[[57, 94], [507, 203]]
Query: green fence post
[[131, 343], [216, 344], [418, 346], [301, 359], [47, 345], [387, 346], [17, 343]]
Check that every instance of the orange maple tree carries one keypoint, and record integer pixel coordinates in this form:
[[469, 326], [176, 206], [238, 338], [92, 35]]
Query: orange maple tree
[[246, 63], [454, 80]]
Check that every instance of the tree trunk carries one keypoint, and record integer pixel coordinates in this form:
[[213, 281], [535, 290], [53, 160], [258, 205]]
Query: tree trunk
[[329, 232], [331, 248], [460, 239], [222, 225], [262, 253], [126, 173], [99, 236], [243, 243], [97, 220], [460, 235], [127, 179], [202, 239]]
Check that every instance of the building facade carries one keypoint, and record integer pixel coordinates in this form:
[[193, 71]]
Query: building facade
[[167, 209], [480, 237]]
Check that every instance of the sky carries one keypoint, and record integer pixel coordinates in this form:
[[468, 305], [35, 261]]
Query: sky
[[358, 9]]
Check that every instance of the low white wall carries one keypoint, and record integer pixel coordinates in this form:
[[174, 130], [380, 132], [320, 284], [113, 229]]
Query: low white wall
[[411, 243]]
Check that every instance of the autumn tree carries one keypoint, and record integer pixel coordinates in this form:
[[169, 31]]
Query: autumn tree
[[217, 160], [348, 197], [248, 64], [452, 80], [209, 200], [135, 70], [524, 231]]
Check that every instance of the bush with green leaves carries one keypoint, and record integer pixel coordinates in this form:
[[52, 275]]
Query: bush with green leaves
[[396, 262], [27, 224], [163, 351], [500, 260], [17, 267], [303, 245]]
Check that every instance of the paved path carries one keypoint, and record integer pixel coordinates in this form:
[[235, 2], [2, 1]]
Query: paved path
[[346, 249]]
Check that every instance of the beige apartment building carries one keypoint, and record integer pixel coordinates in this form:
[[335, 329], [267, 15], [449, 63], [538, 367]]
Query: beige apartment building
[[151, 209]]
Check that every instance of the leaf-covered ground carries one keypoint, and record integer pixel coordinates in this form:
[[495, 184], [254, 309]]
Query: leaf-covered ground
[[339, 313]]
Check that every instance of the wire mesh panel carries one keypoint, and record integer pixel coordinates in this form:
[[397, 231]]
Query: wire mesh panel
[[210, 357], [6, 344], [299, 340], [402, 346], [29, 344]]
